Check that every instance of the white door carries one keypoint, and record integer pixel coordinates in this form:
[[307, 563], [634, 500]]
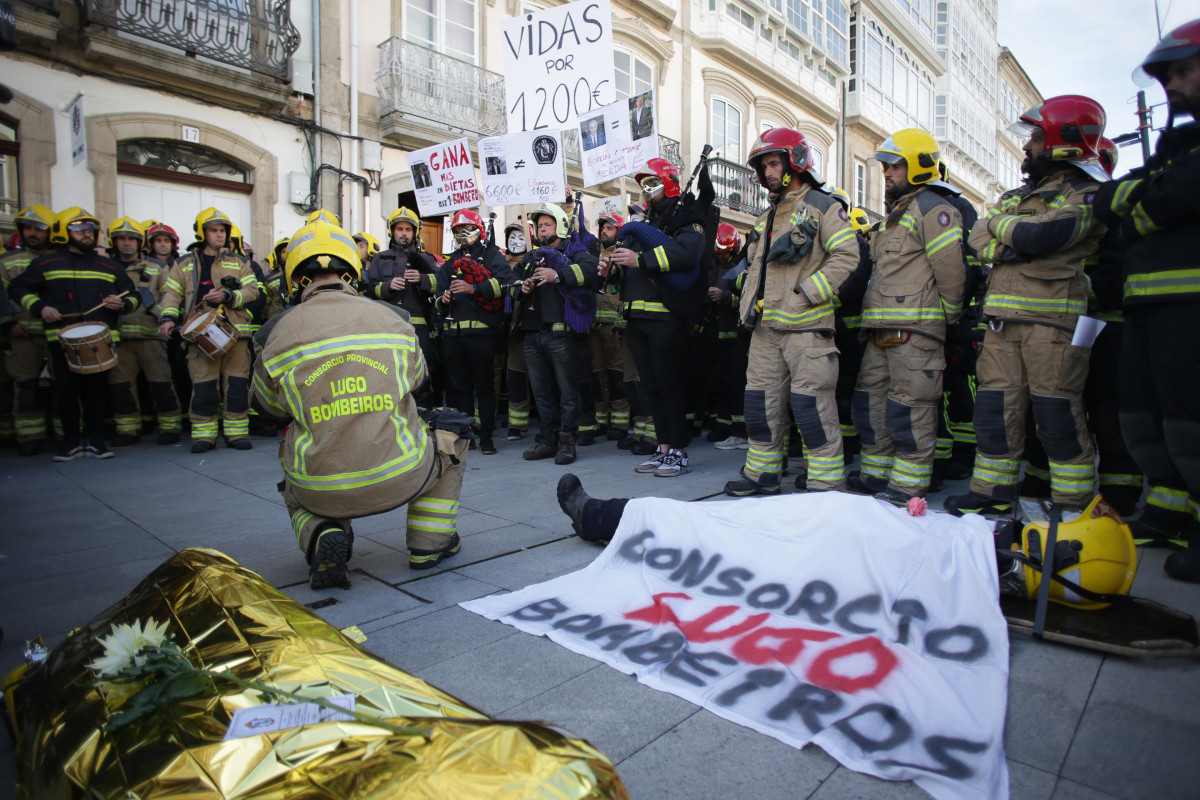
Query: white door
[[177, 204]]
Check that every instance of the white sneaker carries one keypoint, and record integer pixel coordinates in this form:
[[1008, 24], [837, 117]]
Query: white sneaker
[[652, 463], [733, 443], [675, 464]]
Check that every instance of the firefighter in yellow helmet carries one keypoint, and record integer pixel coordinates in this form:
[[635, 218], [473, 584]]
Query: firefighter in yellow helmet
[[341, 369], [23, 337], [213, 278], [368, 247], [142, 348]]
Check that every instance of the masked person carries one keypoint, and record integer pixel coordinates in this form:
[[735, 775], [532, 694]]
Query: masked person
[[539, 318], [801, 250], [214, 278], [516, 376], [916, 291], [341, 369], [1038, 239], [471, 286], [24, 335], [142, 350], [68, 286]]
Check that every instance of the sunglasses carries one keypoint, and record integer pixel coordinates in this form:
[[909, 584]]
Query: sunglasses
[[651, 185], [79, 227]]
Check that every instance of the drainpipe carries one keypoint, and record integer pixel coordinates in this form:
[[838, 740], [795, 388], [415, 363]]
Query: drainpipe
[[356, 147], [317, 158]]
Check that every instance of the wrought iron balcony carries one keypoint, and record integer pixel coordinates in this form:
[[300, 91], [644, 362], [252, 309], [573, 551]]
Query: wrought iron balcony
[[257, 35], [668, 148], [415, 81], [737, 187]]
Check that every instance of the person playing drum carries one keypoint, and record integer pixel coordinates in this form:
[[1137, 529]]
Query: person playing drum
[[65, 287]]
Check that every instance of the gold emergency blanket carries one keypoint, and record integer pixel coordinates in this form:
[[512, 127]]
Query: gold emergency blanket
[[225, 617]]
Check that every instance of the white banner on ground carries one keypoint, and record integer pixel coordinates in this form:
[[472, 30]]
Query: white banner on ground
[[609, 143], [558, 65], [444, 178], [523, 168], [822, 618]]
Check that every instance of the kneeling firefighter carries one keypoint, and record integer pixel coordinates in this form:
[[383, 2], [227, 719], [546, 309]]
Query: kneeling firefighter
[[342, 369]]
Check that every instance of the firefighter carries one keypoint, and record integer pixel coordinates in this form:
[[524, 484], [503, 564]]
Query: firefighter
[[214, 277], [276, 292], [368, 248], [142, 350], [516, 376], [346, 367], [916, 290], [63, 287], [24, 334], [1039, 240], [608, 372]]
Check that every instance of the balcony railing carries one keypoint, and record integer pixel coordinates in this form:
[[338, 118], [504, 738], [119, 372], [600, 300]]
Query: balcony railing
[[49, 6], [257, 35], [422, 83], [737, 187], [667, 148]]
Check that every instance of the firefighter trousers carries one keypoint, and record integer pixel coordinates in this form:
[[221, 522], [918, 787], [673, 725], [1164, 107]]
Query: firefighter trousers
[[225, 377], [518, 385], [134, 357], [608, 377], [1028, 367], [25, 360]]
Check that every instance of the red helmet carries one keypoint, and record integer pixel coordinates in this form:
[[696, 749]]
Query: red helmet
[[665, 171], [1073, 125], [612, 218], [1182, 42], [728, 240], [1108, 155], [637, 208], [467, 216], [781, 140], [162, 229]]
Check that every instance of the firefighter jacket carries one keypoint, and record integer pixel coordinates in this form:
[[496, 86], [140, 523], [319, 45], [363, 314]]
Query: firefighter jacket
[[797, 256], [182, 293], [467, 314], [415, 298], [276, 296], [257, 308], [608, 294], [969, 327], [920, 269], [848, 301], [72, 283], [1039, 239], [11, 265], [543, 308], [644, 294], [148, 276], [1156, 209]]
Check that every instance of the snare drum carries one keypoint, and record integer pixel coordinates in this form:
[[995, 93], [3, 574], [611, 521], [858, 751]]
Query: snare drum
[[211, 332], [88, 347]]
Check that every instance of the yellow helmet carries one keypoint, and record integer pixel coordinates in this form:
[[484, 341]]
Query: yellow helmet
[[74, 214], [273, 257], [562, 223], [1095, 551], [322, 214], [917, 149], [320, 247], [147, 224], [405, 214], [235, 240], [839, 194], [860, 220], [372, 243], [126, 226], [35, 216], [211, 216]]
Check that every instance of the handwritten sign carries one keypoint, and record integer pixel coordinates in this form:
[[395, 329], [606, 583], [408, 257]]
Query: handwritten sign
[[444, 178], [525, 167], [558, 65], [611, 145]]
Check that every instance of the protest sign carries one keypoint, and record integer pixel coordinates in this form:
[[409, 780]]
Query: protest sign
[[523, 168], [558, 65], [443, 178], [618, 139], [823, 618]]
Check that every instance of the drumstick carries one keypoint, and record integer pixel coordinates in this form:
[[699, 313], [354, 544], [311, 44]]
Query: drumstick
[[93, 308]]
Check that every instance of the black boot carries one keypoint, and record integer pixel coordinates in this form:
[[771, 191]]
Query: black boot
[[571, 499], [1185, 566], [566, 449]]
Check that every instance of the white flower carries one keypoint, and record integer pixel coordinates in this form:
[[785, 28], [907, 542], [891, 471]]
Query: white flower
[[123, 644]]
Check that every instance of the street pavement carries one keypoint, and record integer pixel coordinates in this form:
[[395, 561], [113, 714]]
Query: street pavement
[[78, 536]]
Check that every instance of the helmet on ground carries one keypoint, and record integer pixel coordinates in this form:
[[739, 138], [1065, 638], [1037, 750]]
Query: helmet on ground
[[69, 218], [1072, 123], [860, 220], [467, 218], [36, 216], [162, 229], [1108, 155], [320, 247], [208, 217], [404, 214], [917, 149], [1183, 42], [235, 240], [322, 214], [1095, 551], [126, 226], [789, 143], [561, 222], [728, 240], [659, 172], [372, 243]]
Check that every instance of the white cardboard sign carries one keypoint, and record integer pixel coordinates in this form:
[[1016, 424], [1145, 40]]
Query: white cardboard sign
[[609, 143], [525, 167], [444, 178]]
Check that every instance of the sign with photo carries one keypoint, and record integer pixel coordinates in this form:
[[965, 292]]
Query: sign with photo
[[444, 178], [525, 167], [618, 139], [558, 65]]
